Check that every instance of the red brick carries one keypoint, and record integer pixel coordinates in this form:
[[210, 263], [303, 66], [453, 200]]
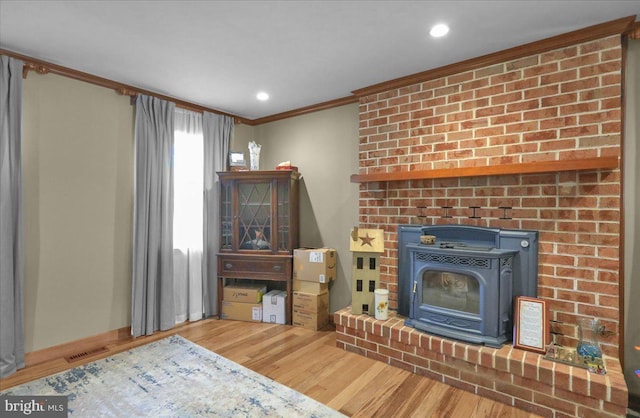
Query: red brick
[[415, 360], [537, 70], [509, 97], [489, 91], [541, 92], [460, 78], [534, 408], [522, 63], [488, 71], [474, 84], [527, 83], [524, 105], [459, 384], [600, 93], [445, 370], [594, 70], [521, 392], [546, 112], [583, 107], [477, 379], [401, 365], [579, 61], [559, 77], [540, 135], [559, 54], [558, 122], [490, 111], [555, 403], [582, 84]]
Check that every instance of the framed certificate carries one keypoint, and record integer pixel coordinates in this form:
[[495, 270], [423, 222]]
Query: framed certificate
[[531, 325]]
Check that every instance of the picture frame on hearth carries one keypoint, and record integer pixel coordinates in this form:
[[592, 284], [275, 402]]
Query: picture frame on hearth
[[531, 324]]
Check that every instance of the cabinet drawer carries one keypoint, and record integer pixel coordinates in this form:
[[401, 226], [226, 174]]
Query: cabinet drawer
[[272, 267]]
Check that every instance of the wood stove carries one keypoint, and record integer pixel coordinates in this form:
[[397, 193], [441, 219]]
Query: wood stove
[[462, 286]]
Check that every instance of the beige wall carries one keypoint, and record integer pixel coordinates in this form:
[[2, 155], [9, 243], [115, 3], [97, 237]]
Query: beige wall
[[632, 218], [324, 145], [78, 177]]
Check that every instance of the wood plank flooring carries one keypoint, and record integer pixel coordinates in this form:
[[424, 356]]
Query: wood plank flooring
[[309, 362]]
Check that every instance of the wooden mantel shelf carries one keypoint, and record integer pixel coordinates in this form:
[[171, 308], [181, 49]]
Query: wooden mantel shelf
[[499, 170]]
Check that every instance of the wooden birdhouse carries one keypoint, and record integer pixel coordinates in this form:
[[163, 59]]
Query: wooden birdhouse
[[366, 245]]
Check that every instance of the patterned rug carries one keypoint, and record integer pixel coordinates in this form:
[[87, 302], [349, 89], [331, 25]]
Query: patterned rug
[[172, 377]]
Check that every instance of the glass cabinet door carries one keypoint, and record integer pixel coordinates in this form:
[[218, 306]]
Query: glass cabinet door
[[256, 212], [254, 216], [284, 221], [226, 216]]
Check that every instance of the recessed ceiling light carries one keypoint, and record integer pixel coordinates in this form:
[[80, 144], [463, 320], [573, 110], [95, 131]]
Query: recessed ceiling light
[[439, 30], [262, 96]]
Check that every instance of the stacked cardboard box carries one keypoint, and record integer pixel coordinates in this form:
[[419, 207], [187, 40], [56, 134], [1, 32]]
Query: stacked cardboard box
[[274, 305], [243, 302], [313, 270]]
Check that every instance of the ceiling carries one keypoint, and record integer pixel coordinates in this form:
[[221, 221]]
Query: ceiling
[[219, 54]]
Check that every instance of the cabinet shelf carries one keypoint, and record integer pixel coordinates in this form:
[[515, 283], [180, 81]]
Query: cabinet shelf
[[596, 163]]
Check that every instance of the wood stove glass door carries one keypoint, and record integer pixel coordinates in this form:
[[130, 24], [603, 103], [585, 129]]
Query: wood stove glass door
[[455, 291]]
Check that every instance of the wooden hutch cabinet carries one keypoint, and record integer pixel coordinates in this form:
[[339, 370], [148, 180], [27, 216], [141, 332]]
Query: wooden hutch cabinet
[[259, 228]]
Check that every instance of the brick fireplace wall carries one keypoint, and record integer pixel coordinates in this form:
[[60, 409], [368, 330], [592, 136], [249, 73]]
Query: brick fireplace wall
[[562, 104]]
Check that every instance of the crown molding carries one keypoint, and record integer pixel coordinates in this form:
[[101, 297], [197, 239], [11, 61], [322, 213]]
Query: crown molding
[[305, 110], [613, 27], [43, 67], [634, 31]]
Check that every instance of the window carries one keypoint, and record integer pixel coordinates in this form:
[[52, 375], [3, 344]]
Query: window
[[359, 285], [187, 190], [359, 262], [372, 285], [365, 308], [372, 263]]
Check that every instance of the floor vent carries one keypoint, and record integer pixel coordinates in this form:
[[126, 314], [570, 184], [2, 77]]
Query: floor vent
[[84, 354]]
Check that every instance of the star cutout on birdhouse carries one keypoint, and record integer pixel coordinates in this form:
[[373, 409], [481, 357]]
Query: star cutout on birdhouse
[[366, 240]]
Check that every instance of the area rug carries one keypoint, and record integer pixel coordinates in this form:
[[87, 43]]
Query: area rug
[[172, 377]]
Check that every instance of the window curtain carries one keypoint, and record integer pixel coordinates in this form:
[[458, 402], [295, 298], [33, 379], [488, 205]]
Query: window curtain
[[152, 277], [187, 216], [217, 131], [11, 223]]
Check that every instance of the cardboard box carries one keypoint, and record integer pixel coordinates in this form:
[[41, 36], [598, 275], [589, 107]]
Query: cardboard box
[[274, 307], [245, 293], [314, 265], [310, 302], [310, 320], [310, 287], [239, 311]]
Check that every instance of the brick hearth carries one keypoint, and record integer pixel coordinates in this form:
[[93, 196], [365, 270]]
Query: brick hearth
[[515, 377]]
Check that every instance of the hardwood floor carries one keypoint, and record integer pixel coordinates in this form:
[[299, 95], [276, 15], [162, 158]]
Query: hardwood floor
[[309, 362]]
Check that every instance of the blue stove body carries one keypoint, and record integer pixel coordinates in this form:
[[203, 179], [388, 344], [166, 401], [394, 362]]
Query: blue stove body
[[463, 285]]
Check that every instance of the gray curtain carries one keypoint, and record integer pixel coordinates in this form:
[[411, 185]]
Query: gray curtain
[[11, 224], [152, 304], [217, 136]]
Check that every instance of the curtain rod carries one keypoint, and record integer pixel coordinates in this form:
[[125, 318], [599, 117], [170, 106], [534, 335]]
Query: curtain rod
[[43, 67]]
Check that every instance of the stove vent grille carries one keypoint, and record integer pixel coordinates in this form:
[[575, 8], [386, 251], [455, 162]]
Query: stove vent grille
[[453, 260]]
